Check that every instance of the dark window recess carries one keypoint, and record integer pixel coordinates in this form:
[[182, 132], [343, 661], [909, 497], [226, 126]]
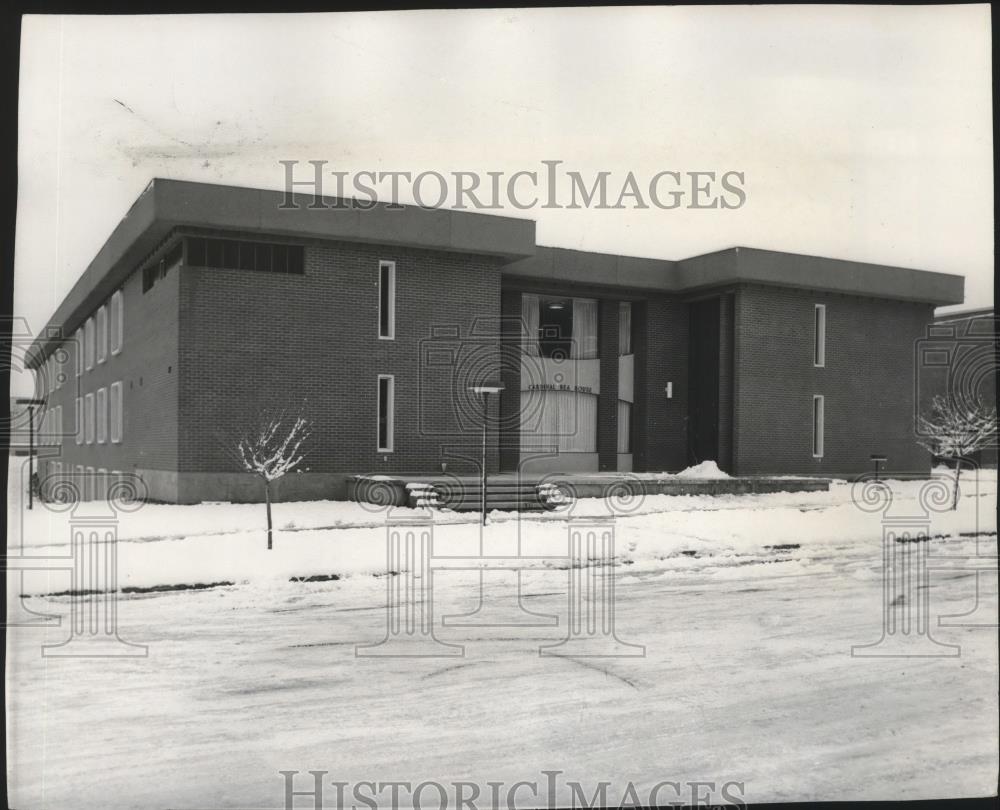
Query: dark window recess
[[383, 412], [149, 275], [196, 252], [555, 328], [385, 299], [172, 259], [159, 269], [233, 254]]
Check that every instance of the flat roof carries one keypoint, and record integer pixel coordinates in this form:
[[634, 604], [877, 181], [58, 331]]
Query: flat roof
[[741, 265], [168, 204]]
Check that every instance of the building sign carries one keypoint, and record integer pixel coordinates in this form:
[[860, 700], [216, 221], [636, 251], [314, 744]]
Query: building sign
[[580, 389], [574, 376]]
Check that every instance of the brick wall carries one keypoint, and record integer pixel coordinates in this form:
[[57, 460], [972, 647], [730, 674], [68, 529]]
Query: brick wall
[[147, 367], [867, 382], [607, 401], [726, 381], [310, 342]]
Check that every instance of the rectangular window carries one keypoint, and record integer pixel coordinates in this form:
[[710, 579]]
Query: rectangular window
[[567, 327], [172, 259], [624, 426], [233, 254], [102, 415], [102, 334], [149, 275], [624, 328], [387, 300], [818, 426], [79, 420], [386, 406], [88, 418], [819, 337], [78, 352], [160, 268], [88, 343], [117, 321], [116, 412]]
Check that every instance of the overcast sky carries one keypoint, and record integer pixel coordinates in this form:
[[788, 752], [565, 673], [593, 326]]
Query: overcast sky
[[862, 133]]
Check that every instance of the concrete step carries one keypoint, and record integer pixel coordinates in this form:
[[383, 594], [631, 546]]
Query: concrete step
[[503, 506]]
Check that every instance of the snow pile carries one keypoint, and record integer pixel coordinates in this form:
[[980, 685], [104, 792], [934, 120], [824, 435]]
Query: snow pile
[[680, 535], [707, 470]]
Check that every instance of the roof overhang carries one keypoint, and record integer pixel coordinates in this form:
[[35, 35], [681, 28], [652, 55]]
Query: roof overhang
[[739, 266], [168, 204]]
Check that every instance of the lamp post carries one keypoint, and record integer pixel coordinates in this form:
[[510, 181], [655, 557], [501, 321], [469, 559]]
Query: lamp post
[[484, 391], [31, 403]]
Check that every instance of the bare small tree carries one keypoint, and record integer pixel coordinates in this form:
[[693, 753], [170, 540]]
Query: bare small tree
[[272, 449], [955, 430]]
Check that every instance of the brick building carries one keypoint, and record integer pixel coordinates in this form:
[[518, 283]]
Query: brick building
[[209, 304]]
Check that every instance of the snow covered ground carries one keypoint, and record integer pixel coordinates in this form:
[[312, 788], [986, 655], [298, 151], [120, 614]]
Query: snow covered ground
[[748, 607]]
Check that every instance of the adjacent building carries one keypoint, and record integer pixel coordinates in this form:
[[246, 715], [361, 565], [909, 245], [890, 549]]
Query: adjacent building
[[957, 360], [211, 304]]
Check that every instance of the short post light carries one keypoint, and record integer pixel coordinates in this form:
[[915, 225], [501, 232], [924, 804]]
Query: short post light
[[484, 391], [878, 458]]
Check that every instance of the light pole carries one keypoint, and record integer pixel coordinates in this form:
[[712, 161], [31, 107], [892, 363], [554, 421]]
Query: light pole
[[485, 391], [31, 403]]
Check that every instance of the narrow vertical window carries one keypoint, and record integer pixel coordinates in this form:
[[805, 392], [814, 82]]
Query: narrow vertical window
[[386, 395], [117, 321], [79, 420], [387, 300], [818, 402], [78, 352], [88, 418], [819, 336], [102, 415], [88, 343], [624, 426], [116, 412], [624, 328], [102, 334]]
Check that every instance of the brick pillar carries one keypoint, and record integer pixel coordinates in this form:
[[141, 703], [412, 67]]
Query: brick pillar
[[607, 402], [510, 376], [725, 433]]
